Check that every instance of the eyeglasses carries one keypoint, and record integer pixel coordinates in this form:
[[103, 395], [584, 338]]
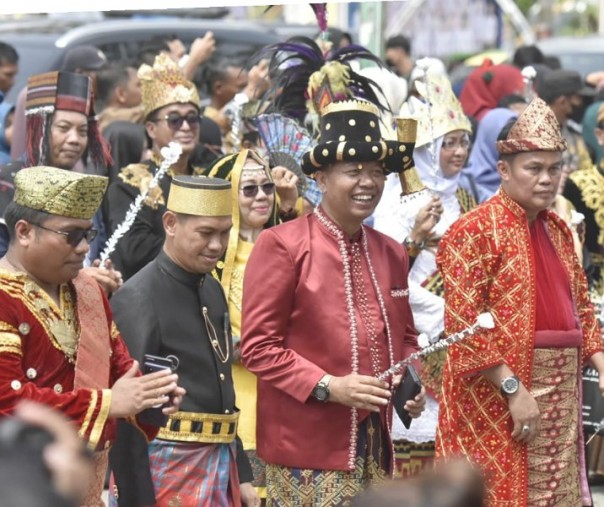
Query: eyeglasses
[[453, 144], [252, 190], [175, 120], [75, 237]]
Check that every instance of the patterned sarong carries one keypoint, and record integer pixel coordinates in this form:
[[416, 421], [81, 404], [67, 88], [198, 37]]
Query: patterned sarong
[[554, 456], [411, 458], [296, 487], [97, 482], [194, 475]]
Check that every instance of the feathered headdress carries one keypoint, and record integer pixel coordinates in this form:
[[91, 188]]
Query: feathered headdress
[[305, 80]]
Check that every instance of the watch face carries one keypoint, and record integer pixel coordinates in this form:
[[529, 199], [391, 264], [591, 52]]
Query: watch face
[[510, 385], [321, 393]]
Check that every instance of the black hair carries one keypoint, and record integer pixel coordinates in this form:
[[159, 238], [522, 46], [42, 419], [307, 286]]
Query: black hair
[[15, 212], [109, 78], [553, 62], [216, 70], [503, 135], [8, 54], [399, 41], [527, 55], [508, 100], [151, 48]]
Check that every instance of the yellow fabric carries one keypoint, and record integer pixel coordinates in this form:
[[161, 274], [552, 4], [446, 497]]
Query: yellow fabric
[[245, 382], [202, 202], [60, 192]]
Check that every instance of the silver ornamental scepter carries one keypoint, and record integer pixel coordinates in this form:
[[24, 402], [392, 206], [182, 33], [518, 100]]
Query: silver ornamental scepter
[[483, 321], [170, 155]]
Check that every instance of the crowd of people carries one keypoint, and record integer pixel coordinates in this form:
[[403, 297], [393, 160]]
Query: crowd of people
[[223, 276]]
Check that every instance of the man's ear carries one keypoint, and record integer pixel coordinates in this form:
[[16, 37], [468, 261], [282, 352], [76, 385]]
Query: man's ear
[[170, 220], [503, 168], [24, 233], [321, 179]]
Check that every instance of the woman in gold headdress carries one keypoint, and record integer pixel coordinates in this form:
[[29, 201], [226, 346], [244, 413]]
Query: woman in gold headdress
[[261, 198]]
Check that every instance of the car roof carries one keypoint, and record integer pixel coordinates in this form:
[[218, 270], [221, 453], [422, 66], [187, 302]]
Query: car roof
[[41, 43]]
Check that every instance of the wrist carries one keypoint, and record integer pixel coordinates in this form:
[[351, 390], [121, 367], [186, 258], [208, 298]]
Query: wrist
[[413, 246], [321, 391]]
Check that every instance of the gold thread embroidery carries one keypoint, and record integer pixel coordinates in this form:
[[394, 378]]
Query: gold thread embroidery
[[101, 419], [88, 417]]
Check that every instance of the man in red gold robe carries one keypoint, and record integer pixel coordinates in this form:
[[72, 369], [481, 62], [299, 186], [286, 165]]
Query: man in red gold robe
[[58, 343], [511, 395], [325, 311]]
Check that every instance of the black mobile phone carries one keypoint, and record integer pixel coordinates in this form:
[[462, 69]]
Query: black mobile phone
[[154, 416], [153, 363], [408, 389]]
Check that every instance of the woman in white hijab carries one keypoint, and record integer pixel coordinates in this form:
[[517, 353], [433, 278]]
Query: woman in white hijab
[[442, 148]]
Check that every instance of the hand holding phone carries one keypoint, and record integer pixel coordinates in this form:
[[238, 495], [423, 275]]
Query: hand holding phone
[[408, 389], [151, 364]]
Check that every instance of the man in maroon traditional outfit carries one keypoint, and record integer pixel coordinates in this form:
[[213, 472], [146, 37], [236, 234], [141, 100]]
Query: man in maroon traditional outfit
[[58, 343], [511, 395], [325, 311]]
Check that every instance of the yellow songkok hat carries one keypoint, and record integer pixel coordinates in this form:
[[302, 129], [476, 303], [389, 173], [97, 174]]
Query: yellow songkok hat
[[200, 196], [164, 84], [536, 129], [60, 192], [443, 116]]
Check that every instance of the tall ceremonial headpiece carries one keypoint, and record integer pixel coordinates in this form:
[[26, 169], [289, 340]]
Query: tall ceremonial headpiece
[[536, 129], [438, 113], [59, 191], [65, 91], [164, 84]]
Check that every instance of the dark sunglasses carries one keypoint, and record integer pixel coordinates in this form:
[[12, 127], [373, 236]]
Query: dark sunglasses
[[75, 237], [252, 190], [175, 120]]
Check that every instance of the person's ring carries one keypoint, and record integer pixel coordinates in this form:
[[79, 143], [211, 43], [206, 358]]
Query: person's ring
[[526, 428]]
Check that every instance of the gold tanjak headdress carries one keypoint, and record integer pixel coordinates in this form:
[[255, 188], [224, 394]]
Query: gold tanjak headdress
[[443, 115], [60, 192], [200, 196], [536, 129], [164, 84]]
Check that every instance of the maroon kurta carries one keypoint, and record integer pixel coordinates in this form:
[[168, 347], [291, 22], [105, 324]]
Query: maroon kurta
[[296, 329]]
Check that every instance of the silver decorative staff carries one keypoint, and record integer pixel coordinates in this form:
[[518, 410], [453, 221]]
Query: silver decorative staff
[[483, 321], [170, 155]]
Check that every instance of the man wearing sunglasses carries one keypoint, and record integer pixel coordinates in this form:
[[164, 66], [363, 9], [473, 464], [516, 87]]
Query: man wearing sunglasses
[[59, 344], [171, 111]]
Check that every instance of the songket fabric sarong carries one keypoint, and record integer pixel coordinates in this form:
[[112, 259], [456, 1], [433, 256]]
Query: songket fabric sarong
[[296, 487], [554, 465], [410, 458], [194, 475]]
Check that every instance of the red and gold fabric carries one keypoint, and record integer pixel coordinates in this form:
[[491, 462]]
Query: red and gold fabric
[[40, 356], [487, 263]]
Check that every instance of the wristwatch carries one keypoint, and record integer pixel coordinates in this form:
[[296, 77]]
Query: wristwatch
[[510, 385], [413, 248], [321, 390]]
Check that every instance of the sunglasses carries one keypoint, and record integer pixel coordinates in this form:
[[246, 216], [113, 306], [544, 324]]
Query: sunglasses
[[75, 237], [252, 190], [175, 120]]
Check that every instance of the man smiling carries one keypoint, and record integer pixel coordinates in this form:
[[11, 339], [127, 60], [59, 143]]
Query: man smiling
[[171, 110], [333, 314]]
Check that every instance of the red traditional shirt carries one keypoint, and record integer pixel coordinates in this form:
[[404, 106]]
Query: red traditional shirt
[[487, 263], [38, 351], [296, 328]]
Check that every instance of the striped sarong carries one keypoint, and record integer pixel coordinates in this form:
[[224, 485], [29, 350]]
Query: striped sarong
[[194, 475]]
